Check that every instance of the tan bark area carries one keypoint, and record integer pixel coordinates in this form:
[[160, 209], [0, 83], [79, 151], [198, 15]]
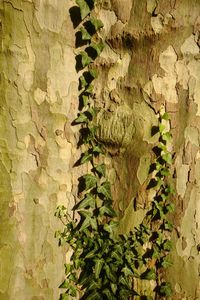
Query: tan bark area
[[37, 145]]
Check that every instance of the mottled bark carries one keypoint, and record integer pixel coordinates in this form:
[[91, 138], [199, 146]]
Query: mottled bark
[[151, 59], [38, 102]]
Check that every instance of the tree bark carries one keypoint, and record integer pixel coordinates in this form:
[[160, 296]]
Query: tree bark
[[151, 58], [38, 103]]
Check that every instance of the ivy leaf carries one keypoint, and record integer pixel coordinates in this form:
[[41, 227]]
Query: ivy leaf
[[90, 181], [105, 190], [88, 201], [97, 149], [93, 285], [110, 275], [118, 257], [98, 267], [101, 170], [170, 207], [168, 225], [83, 82], [149, 274], [98, 47], [86, 157], [124, 281], [89, 89], [165, 116], [82, 118], [165, 172], [110, 226], [65, 284], [109, 294], [68, 268], [94, 296], [85, 59], [166, 136], [84, 8], [64, 297], [93, 73], [96, 23], [85, 100], [167, 157], [127, 272], [85, 34], [166, 263], [72, 291], [165, 289], [93, 223], [167, 245], [161, 128], [86, 223], [107, 210]]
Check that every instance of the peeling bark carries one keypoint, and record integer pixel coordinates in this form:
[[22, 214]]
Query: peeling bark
[[151, 58], [38, 102]]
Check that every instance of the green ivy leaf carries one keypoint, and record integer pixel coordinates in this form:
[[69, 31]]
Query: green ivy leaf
[[98, 47], [64, 297], [127, 271], [93, 223], [101, 170], [68, 268], [90, 181], [65, 284], [84, 8], [85, 100], [88, 201], [105, 190], [107, 210], [167, 245], [82, 118], [109, 294], [149, 274], [170, 207], [165, 289], [168, 225], [166, 263], [93, 285], [96, 23], [97, 149], [166, 136], [83, 81], [86, 157], [89, 89], [161, 128], [94, 296], [85, 59], [167, 157], [98, 267], [110, 274], [85, 34], [110, 227], [165, 116], [93, 73]]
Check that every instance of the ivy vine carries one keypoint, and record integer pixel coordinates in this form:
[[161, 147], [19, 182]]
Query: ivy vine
[[105, 265]]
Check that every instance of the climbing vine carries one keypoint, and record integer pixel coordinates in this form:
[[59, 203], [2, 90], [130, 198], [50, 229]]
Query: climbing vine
[[105, 265]]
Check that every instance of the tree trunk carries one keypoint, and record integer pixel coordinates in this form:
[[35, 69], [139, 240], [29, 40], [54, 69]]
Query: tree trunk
[[151, 58]]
